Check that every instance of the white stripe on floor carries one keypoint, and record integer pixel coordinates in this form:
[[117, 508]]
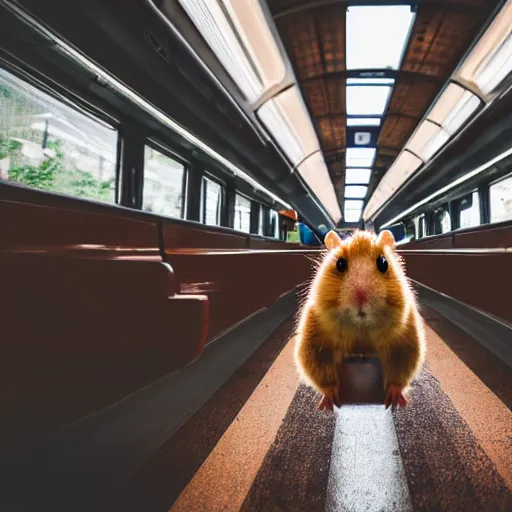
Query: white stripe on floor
[[366, 471]]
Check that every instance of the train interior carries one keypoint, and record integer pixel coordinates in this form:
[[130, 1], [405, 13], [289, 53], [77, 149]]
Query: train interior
[[169, 172]]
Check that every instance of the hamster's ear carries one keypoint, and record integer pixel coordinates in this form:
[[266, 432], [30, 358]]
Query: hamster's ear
[[386, 238], [332, 240]]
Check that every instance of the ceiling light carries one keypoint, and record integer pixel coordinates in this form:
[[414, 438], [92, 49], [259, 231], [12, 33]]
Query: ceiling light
[[241, 39], [370, 81], [355, 191], [490, 61], [363, 121], [287, 119], [360, 157], [352, 210], [315, 173], [453, 108], [421, 138], [357, 176], [367, 100], [377, 35], [352, 215]]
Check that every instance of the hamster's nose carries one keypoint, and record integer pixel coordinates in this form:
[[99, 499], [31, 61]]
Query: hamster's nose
[[361, 296]]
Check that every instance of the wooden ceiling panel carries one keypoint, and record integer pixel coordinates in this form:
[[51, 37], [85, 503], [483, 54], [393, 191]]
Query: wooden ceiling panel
[[440, 36], [412, 97], [332, 133], [396, 131], [315, 41], [336, 169], [324, 97], [336, 96], [300, 37], [314, 95]]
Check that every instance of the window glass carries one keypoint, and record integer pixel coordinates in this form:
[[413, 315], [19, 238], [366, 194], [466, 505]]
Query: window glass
[[446, 224], [261, 221], [422, 226], [211, 203], [470, 217], [274, 224], [501, 200], [48, 145], [163, 184], [242, 214]]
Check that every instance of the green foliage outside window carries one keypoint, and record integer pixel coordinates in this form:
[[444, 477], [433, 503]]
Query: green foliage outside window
[[51, 173]]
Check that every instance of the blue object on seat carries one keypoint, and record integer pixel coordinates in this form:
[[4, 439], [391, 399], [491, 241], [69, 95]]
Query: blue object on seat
[[306, 236]]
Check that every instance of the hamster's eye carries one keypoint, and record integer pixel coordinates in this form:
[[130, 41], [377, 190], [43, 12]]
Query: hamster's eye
[[342, 264], [382, 264]]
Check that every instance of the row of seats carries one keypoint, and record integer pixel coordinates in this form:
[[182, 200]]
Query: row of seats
[[97, 303]]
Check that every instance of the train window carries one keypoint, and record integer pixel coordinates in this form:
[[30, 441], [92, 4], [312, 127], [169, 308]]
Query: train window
[[49, 145], [163, 184], [446, 224], [274, 224], [261, 221], [211, 203], [422, 226], [242, 214], [501, 200], [470, 210]]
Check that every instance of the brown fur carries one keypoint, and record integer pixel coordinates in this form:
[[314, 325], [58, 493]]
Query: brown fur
[[329, 328]]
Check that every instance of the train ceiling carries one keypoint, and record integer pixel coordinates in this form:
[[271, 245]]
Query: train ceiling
[[368, 75]]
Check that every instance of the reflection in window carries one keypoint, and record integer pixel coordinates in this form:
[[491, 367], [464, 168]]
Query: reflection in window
[[242, 214], [163, 184], [470, 214], [501, 200], [211, 203], [446, 224], [48, 145]]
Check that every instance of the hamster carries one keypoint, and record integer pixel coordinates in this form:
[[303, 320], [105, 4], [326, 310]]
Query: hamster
[[360, 302]]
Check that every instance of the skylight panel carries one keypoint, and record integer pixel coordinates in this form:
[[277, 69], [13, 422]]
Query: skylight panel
[[357, 176], [360, 157], [370, 81], [355, 191], [352, 210], [377, 35], [363, 121], [367, 100], [352, 215]]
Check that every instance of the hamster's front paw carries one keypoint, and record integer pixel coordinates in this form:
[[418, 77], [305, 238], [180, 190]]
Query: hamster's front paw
[[394, 396], [330, 398]]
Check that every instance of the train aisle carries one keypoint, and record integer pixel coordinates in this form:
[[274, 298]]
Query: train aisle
[[259, 444]]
